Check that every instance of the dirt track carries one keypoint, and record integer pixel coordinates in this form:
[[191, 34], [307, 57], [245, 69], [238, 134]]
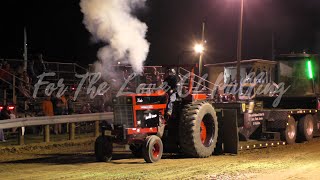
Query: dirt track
[[300, 161]]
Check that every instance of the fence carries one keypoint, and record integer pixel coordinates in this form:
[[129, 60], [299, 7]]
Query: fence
[[67, 71], [47, 121]]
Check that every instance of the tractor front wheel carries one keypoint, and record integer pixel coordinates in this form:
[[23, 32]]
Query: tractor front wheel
[[103, 149], [152, 149]]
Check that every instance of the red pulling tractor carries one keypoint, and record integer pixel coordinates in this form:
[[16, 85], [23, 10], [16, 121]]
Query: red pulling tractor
[[140, 121], [201, 124]]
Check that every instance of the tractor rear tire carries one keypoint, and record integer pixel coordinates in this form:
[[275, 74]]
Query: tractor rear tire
[[289, 135], [152, 149], [306, 128], [198, 131], [103, 149]]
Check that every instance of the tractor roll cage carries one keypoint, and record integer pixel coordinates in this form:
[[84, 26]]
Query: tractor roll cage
[[200, 82]]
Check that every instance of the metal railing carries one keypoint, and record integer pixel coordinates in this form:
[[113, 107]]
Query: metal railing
[[70, 79], [58, 67], [46, 121]]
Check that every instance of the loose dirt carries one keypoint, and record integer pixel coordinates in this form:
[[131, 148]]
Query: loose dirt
[[77, 161]]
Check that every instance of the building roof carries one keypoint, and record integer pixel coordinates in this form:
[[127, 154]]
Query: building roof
[[250, 61], [297, 55]]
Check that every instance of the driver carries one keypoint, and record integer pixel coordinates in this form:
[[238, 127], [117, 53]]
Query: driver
[[171, 80]]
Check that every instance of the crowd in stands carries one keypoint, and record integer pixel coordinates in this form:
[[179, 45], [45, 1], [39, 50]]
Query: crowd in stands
[[149, 76], [14, 74], [53, 105], [25, 76]]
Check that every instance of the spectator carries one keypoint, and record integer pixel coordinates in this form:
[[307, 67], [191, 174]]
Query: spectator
[[86, 109], [30, 71], [108, 108], [24, 85], [36, 67], [1, 74], [20, 69], [39, 66], [47, 107], [64, 105], [70, 104], [155, 77], [13, 116], [4, 114], [5, 72], [125, 74], [3, 117], [26, 80], [57, 103], [64, 111], [57, 109]]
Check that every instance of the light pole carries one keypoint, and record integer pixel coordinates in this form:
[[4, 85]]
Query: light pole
[[239, 45], [25, 49], [201, 48]]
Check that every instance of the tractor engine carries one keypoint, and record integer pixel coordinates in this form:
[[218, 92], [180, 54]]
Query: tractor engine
[[138, 115]]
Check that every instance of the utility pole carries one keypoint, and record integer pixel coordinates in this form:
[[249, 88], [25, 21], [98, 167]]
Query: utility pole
[[273, 47], [202, 42], [25, 58], [25, 47], [239, 46]]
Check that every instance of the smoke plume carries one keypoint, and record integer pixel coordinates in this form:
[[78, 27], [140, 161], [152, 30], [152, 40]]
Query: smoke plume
[[112, 22]]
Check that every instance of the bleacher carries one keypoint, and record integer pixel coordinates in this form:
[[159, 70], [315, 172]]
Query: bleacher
[[10, 93]]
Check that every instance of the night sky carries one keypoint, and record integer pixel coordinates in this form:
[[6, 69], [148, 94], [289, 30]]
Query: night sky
[[55, 29]]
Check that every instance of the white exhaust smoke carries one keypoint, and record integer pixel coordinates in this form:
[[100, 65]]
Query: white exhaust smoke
[[112, 22]]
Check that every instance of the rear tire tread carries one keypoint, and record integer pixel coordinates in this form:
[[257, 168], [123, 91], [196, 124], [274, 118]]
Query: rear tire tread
[[189, 131]]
